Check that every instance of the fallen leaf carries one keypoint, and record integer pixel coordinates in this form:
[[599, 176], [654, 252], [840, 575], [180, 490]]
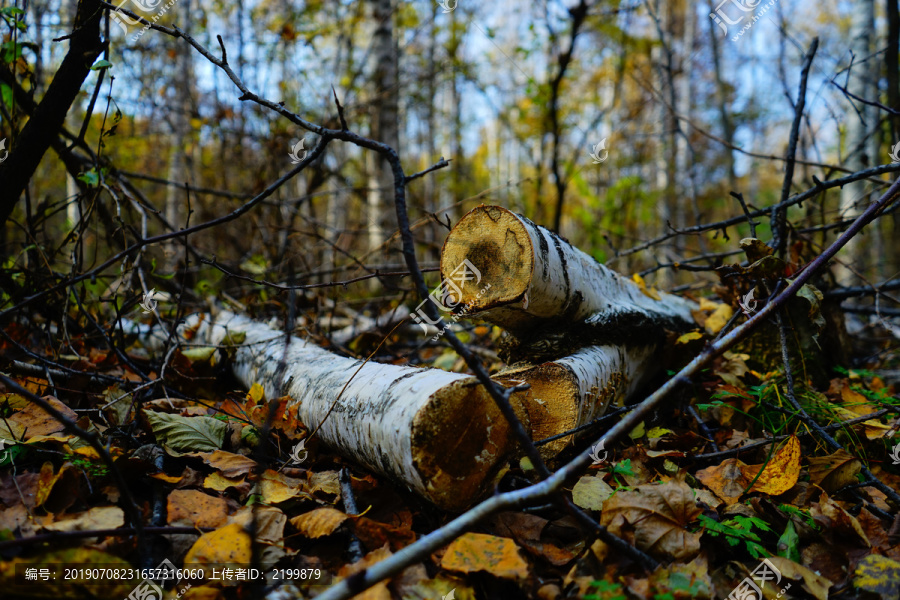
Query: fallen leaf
[[688, 337], [473, 552], [220, 483], [780, 473], [268, 521], [812, 582], [192, 507], [277, 487], [100, 517], [726, 480], [656, 518], [718, 319], [319, 522], [324, 483], [834, 471], [229, 545], [57, 491], [35, 421], [379, 591], [835, 518], [590, 492], [192, 434], [529, 532], [878, 575], [229, 464], [375, 534], [651, 292]]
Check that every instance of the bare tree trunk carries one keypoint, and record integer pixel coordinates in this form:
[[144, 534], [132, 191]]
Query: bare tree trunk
[[892, 64], [385, 124], [861, 124], [722, 101], [181, 140]]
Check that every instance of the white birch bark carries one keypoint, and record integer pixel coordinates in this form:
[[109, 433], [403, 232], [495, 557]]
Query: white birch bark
[[536, 276], [577, 389], [438, 433], [861, 125]]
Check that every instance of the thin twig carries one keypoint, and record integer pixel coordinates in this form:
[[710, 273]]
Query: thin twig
[[779, 215]]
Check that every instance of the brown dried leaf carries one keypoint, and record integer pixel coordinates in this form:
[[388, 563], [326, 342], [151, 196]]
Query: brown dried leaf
[[231, 465], [100, 517], [834, 471], [726, 480], [812, 582], [35, 421], [192, 507], [656, 518]]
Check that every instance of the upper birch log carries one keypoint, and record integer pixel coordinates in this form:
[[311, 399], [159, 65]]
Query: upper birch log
[[518, 275], [438, 433]]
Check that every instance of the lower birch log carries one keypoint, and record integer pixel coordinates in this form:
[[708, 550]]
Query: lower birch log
[[505, 269], [436, 432], [577, 389]]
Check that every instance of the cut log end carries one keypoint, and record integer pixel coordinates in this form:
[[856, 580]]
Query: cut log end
[[494, 241], [552, 409], [460, 440]]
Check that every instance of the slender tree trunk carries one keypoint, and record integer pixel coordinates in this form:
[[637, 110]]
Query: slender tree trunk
[[722, 102], [49, 116], [181, 139], [861, 124], [892, 64], [386, 128]]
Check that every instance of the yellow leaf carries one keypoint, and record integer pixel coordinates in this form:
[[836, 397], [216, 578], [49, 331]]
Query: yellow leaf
[[473, 552], [319, 522], [256, 393], [220, 483], [276, 487], [879, 575], [689, 337], [637, 432], [781, 473], [651, 293], [658, 432], [229, 545], [718, 319], [707, 305]]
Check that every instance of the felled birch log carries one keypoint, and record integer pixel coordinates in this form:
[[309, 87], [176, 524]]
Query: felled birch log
[[536, 278], [574, 390], [438, 433], [557, 301]]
